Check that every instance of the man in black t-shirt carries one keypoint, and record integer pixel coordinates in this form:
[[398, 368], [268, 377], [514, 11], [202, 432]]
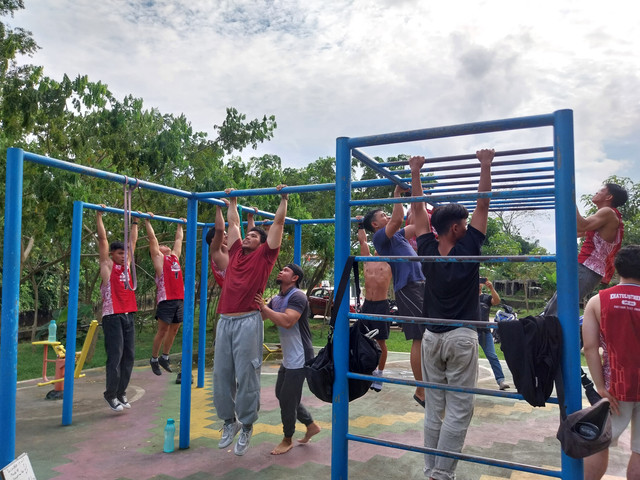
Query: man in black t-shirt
[[449, 354]]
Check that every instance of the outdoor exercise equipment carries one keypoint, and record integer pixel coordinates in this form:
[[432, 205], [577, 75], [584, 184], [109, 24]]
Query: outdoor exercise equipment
[[530, 186], [61, 355], [519, 184]]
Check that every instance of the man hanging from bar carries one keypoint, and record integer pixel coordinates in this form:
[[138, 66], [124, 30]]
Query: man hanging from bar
[[449, 354], [239, 335], [169, 295], [389, 238], [118, 309]]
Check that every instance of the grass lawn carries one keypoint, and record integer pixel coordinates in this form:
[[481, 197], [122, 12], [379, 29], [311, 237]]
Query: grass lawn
[[30, 356]]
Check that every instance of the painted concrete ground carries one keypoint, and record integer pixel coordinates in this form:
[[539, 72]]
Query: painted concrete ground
[[101, 444]]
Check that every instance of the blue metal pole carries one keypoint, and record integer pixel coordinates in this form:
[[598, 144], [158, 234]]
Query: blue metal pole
[[72, 313], [339, 445], [567, 273], [453, 131], [187, 324], [10, 303], [202, 323], [297, 244]]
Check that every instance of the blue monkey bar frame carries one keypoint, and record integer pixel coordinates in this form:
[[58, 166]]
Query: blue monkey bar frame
[[558, 194], [343, 186]]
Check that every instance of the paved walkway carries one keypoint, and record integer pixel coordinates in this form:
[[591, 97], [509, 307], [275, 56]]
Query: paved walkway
[[101, 444]]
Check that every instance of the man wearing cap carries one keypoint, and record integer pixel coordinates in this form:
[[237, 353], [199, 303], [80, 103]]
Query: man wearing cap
[[614, 316], [289, 310]]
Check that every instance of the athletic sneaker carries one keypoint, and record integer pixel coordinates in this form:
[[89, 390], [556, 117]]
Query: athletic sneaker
[[155, 367], [376, 385], [165, 364], [504, 385], [179, 378], [123, 401], [229, 431], [242, 445], [114, 404]]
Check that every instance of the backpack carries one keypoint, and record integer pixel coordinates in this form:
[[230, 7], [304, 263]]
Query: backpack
[[532, 347], [364, 352]]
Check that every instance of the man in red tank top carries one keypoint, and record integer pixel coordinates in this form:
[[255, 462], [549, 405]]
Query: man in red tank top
[[118, 308], [615, 314], [239, 334], [603, 232], [169, 295]]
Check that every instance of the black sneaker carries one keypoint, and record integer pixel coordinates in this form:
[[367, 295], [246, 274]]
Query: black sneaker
[[123, 401], [179, 378], [165, 364], [155, 367], [114, 404]]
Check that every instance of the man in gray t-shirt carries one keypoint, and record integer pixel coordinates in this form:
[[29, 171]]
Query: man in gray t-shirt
[[289, 310]]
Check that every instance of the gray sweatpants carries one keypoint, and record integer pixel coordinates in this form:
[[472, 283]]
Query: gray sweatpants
[[237, 362], [448, 358]]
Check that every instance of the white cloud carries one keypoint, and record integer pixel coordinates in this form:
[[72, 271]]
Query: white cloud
[[355, 67]]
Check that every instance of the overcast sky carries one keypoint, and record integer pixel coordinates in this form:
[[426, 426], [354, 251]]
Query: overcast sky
[[348, 68]]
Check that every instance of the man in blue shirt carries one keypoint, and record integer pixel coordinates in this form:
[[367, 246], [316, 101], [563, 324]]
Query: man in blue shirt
[[389, 239]]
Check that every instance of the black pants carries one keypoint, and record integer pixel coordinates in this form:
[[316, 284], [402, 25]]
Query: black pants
[[289, 393], [119, 344]]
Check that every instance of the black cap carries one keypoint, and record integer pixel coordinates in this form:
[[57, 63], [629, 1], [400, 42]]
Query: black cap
[[296, 271]]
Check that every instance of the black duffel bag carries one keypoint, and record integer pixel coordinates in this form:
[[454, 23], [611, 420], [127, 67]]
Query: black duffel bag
[[364, 352]]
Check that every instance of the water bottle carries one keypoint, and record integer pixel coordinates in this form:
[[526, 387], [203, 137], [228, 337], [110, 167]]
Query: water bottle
[[169, 433], [52, 331]]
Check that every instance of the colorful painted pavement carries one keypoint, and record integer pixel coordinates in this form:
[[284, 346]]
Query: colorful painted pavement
[[101, 444]]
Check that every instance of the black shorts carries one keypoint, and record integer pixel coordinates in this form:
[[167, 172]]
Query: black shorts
[[379, 307], [409, 301], [170, 311]]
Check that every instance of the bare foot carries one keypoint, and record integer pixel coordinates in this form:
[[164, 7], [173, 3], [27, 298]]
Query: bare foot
[[312, 429], [284, 447]]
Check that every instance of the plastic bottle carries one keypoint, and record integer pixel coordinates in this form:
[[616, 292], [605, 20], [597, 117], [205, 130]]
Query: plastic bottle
[[169, 434], [52, 331]]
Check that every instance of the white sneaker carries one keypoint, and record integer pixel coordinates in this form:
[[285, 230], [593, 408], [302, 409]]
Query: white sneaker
[[229, 431], [242, 445], [114, 404], [376, 385], [123, 401]]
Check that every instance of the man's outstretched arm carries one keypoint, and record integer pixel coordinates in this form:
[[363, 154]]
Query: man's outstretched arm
[[362, 239], [219, 255], [274, 237], [421, 217], [481, 213], [233, 219], [177, 242], [397, 214]]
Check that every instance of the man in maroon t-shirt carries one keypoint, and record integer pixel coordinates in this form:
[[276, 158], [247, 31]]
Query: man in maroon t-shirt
[[239, 334]]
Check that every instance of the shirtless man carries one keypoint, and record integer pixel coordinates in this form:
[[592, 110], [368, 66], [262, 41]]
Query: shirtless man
[[377, 277]]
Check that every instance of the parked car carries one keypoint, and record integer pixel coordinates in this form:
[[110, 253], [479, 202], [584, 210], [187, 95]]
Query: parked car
[[319, 298]]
